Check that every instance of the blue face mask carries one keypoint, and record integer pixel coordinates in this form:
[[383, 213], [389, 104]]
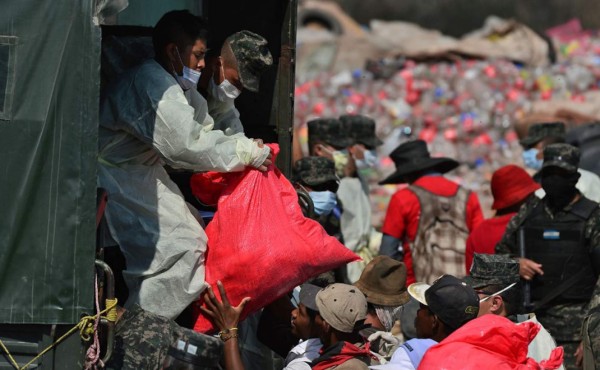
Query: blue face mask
[[190, 77], [324, 201], [369, 161], [530, 159]]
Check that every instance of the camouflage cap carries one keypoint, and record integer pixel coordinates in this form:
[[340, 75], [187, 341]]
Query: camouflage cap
[[539, 131], [561, 155], [361, 129], [329, 131], [317, 171], [492, 269], [252, 55]]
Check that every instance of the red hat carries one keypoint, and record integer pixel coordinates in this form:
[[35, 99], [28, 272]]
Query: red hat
[[510, 185]]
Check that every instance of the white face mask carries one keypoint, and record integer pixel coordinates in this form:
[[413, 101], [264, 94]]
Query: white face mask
[[190, 77], [369, 161], [225, 91]]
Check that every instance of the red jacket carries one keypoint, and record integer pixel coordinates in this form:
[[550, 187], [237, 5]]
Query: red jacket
[[402, 217], [483, 238]]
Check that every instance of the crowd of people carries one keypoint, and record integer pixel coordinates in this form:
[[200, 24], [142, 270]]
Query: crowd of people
[[437, 287]]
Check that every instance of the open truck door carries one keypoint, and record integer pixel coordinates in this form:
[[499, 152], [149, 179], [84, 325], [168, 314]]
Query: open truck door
[[50, 82]]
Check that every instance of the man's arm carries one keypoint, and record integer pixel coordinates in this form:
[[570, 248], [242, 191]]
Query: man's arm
[[391, 247]]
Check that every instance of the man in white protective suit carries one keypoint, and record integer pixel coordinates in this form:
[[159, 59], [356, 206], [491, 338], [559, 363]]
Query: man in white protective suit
[[153, 116]]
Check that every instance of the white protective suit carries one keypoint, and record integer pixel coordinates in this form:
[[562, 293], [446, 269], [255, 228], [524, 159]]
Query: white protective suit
[[147, 121]]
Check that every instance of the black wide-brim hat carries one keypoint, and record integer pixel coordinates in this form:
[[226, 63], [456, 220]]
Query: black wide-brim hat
[[412, 157]]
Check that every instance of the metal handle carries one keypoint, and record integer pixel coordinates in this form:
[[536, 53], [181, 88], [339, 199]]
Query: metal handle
[[109, 277]]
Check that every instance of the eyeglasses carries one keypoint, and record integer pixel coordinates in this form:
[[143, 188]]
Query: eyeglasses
[[493, 294]]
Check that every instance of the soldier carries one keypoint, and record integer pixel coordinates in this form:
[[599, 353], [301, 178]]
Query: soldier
[[238, 65], [327, 139], [142, 341], [362, 131], [496, 280], [315, 177], [538, 137], [561, 260]]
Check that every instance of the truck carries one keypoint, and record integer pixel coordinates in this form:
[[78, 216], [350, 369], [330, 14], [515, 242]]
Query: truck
[[55, 59]]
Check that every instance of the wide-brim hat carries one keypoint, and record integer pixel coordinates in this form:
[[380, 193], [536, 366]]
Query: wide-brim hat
[[383, 282], [413, 156], [510, 185]]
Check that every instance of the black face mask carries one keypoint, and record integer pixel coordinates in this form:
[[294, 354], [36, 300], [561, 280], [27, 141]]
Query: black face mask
[[560, 190]]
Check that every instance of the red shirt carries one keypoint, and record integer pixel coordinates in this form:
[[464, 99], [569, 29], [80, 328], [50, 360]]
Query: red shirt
[[402, 217], [483, 238]]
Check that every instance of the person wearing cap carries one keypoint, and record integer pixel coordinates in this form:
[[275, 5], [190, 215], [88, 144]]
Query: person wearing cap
[[342, 313], [356, 222], [327, 138], [541, 135], [315, 177], [238, 65], [153, 116], [362, 130], [511, 186], [383, 282], [496, 280], [560, 254], [446, 305], [304, 327], [429, 196]]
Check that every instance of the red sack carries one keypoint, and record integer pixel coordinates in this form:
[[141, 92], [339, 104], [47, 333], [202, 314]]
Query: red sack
[[259, 243], [491, 342]]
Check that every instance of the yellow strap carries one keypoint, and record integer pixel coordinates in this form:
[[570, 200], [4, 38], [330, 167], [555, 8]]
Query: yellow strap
[[86, 330]]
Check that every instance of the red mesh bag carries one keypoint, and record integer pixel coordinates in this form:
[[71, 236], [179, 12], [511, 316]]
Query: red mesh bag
[[259, 243], [491, 341]]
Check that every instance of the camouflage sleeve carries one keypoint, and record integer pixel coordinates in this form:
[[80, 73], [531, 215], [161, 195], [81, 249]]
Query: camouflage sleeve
[[508, 244], [592, 230]]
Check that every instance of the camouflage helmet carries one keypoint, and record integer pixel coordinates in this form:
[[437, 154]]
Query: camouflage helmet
[[539, 131], [561, 155], [317, 172], [252, 56], [361, 129], [492, 269], [329, 131]]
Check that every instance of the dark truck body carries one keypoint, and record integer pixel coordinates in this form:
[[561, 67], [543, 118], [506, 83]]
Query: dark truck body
[[51, 55]]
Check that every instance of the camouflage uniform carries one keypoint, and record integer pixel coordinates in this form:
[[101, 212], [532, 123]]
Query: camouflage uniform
[[142, 341], [563, 320], [591, 332]]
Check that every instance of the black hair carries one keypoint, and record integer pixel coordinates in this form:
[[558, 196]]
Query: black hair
[[179, 27]]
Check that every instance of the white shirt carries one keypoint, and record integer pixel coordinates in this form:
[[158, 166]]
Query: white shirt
[[300, 357]]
